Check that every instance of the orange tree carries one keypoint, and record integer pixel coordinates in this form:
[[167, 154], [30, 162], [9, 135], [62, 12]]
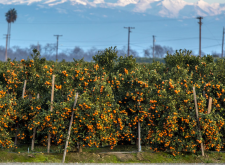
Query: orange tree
[[209, 78], [12, 82], [7, 104], [97, 117], [173, 124]]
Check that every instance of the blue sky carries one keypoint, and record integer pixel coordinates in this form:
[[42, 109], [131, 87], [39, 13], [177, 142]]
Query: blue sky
[[101, 27]]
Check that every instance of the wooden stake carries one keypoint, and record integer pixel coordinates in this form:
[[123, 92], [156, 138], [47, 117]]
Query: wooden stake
[[71, 120], [52, 94], [139, 133], [34, 132], [210, 105], [52, 97], [196, 108], [24, 87]]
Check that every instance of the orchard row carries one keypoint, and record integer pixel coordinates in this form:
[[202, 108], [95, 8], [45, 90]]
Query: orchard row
[[114, 94]]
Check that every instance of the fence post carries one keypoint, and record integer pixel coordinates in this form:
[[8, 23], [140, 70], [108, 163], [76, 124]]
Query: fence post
[[52, 97], [34, 132], [139, 133], [71, 120], [196, 108], [210, 105]]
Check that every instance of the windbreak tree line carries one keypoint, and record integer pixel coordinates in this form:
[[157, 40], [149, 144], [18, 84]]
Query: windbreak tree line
[[114, 94]]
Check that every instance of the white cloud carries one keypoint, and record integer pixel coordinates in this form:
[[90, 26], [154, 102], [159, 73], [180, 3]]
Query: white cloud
[[79, 2], [171, 8], [7, 2], [53, 4], [143, 5], [61, 10], [165, 8], [123, 3], [95, 2], [49, 1], [98, 1], [86, 2], [211, 9]]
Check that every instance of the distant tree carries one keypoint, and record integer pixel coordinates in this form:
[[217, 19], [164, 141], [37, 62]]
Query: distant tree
[[32, 47], [123, 52], [11, 17], [90, 53], [159, 51], [147, 52], [134, 53], [215, 54], [50, 49]]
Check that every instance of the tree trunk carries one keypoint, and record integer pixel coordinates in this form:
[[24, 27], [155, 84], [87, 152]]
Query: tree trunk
[[17, 127], [80, 149], [33, 139]]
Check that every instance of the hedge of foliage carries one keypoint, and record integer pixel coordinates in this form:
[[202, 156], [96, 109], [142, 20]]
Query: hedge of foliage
[[114, 94]]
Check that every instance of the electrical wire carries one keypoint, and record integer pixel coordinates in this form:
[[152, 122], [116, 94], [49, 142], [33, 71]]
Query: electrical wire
[[210, 32], [109, 22]]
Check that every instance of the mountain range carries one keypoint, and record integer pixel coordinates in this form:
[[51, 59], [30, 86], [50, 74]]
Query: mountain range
[[163, 8], [100, 23]]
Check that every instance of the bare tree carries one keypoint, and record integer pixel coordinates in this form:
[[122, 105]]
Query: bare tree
[[50, 49], [160, 51], [33, 46], [147, 52]]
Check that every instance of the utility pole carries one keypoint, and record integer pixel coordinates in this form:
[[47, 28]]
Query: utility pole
[[128, 49], [6, 47], [153, 53], [38, 46], [200, 25], [57, 45], [223, 42]]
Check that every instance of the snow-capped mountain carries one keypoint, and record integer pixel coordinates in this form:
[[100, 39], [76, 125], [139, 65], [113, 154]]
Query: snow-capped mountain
[[163, 8]]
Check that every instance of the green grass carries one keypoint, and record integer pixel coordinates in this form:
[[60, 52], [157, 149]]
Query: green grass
[[98, 155]]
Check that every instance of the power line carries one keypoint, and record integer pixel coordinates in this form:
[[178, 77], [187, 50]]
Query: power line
[[208, 46], [211, 32], [106, 22]]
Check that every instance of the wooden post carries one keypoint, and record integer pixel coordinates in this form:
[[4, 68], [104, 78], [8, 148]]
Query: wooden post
[[17, 125], [196, 108], [210, 105], [34, 132], [71, 120], [52, 97], [139, 133], [24, 88]]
